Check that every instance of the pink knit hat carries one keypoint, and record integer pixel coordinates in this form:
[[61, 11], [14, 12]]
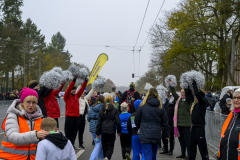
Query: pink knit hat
[[27, 92]]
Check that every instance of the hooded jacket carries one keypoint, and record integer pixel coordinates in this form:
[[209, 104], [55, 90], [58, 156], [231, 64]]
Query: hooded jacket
[[42, 93], [51, 103], [12, 127], [150, 119], [93, 117], [55, 146], [108, 119], [124, 118]]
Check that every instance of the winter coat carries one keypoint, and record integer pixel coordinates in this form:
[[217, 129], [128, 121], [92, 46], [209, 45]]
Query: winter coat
[[51, 103], [1, 97], [184, 106], [55, 146], [150, 119], [170, 113], [230, 138], [224, 98], [124, 118], [226, 109], [131, 127], [108, 119], [93, 117], [84, 101], [42, 93], [72, 101], [199, 110], [210, 101], [12, 127]]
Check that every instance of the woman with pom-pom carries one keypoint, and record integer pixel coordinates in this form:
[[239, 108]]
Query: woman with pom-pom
[[182, 118]]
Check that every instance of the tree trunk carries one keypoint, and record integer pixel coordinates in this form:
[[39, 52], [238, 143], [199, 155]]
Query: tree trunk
[[13, 78], [7, 79]]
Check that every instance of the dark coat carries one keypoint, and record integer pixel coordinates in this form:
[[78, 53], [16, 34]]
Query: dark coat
[[131, 130], [1, 97], [151, 119], [226, 109], [223, 100], [42, 93], [108, 119], [170, 113]]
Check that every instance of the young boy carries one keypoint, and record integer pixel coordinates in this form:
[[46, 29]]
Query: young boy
[[55, 145]]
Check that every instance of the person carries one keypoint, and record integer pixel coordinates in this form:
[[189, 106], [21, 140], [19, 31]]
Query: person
[[125, 137], [229, 94], [55, 145], [198, 137], [8, 95], [42, 93], [72, 110], [182, 118], [170, 113], [226, 108], [22, 127], [150, 118], [120, 94], [1, 96], [113, 93], [210, 100], [117, 97], [13, 96], [93, 99], [229, 142], [133, 131], [130, 96], [83, 110], [108, 119], [93, 120]]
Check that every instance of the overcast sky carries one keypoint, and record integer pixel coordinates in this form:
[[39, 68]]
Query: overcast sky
[[101, 23]]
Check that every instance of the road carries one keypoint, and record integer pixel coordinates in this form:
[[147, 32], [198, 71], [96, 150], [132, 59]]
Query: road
[[85, 154]]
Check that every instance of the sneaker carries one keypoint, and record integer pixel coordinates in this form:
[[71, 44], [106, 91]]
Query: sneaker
[[181, 156], [185, 158], [127, 156], [160, 148], [170, 153], [81, 147], [93, 143], [163, 152], [105, 158]]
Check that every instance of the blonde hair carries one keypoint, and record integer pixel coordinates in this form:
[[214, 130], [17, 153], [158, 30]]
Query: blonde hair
[[196, 101], [124, 107], [108, 99], [49, 124], [152, 92], [30, 83], [27, 98], [234, 94]]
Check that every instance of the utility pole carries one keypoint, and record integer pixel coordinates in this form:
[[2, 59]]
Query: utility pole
[[39, 71], [233, 56], [24, 74]]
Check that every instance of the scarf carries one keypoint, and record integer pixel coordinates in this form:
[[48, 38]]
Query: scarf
[[176, 112], [31, 116], [236, 110]]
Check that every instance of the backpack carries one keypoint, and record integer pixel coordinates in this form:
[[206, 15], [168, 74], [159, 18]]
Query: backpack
[[130, 101]]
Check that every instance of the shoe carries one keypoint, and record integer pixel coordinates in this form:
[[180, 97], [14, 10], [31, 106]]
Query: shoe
[[160, 148], [127, 156], [181, 156], [185, 158], [163, 152], [105, 158], [81, 147], [74, 147], [170, 153], [93, 143]]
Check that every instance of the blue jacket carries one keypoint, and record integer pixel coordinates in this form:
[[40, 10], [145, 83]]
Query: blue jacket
[[93, 117], [124, 118]]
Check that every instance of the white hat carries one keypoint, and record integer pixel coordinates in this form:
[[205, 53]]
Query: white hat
[[238, 90]]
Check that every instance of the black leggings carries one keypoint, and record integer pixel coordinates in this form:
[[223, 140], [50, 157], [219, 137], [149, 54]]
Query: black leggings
[[126, 145], [108, 141], [184, 139]]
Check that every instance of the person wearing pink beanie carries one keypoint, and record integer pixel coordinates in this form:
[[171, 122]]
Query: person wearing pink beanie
[[27, 92]]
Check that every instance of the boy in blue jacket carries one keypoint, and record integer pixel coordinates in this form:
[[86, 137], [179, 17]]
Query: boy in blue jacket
[[125, 137]]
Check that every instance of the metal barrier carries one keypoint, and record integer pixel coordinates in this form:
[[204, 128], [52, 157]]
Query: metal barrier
[[4, 104], [213, 128]]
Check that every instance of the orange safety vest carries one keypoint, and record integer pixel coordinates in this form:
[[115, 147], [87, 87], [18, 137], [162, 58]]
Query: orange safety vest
[[224, 127], [11, 151]]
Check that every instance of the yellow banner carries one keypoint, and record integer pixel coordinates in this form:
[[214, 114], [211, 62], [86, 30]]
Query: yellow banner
[[102, 59]]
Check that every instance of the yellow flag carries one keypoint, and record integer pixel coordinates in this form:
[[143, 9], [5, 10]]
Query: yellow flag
[[102, 59]]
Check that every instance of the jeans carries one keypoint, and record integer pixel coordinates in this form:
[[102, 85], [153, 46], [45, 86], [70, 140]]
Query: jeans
[[137, 148], [150, 151], [98, 150]]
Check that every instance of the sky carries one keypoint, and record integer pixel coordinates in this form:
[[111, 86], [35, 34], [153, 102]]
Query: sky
[[91, 25]]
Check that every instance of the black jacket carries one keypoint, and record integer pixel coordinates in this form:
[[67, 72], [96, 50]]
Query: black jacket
[[124, 97], [42, 93], [199, 111], [170, 113], [108, 119], [1, 97], [226, 109], [131, 130], [58, 139], [150, 119], [224, 98]]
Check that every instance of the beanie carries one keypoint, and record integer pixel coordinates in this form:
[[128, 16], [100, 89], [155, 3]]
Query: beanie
[[33, 85], [228, 99], [137, 103], [27, 92], [124, 107]]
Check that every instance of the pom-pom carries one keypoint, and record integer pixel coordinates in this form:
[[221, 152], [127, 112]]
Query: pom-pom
[[83, 73], [148, 86], [105, 94], [67, 75], [79, 81], [58, 69], [162, 91], [51, 80], [75, 70], [188, 77], [173, 79], [99, 83]]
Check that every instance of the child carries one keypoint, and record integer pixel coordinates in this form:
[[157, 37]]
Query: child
[[226, 108], [125, 137], [55, 145]]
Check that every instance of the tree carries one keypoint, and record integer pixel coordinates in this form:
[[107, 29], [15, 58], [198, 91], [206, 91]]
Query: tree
[[58, 42]]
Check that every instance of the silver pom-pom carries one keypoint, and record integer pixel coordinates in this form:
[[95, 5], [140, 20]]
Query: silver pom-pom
[[58, 69], [83, 73], [148, 86], [162, 91], [51, 80], [75, 70], [99, 83], [105, 94], [173, 79], [188, 77], [79, 81], [67, 75]]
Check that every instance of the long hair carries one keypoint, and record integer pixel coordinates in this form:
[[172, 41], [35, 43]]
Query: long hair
[[100, 98], [108, 99], [234, 94], [152, 92], [30, 83], [196, 100]]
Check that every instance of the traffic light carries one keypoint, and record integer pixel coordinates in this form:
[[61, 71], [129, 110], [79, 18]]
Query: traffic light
[[133, 75]]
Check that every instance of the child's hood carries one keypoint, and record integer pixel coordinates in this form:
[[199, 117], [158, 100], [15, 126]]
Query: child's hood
[[124, 117], [58, 139]]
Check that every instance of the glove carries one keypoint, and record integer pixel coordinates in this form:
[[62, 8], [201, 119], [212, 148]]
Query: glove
[[74, 79], [86, 79], [176, 132], [194, 82]]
